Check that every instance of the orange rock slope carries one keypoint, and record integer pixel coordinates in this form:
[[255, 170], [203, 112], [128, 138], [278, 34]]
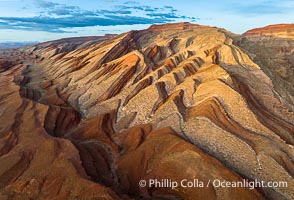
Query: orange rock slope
[[89, 118]]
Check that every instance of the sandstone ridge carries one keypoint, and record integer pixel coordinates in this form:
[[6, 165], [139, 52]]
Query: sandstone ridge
[[89, 118]]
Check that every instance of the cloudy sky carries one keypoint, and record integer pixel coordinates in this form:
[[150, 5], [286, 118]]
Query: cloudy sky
[[42, 20]]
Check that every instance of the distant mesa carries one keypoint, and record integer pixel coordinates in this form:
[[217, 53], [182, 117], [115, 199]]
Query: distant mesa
[[277, 30]]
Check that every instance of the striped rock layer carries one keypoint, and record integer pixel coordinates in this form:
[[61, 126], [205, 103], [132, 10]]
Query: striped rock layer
[[88, 118]]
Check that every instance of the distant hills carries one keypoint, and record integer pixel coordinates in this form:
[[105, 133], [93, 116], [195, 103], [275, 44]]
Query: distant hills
[[12, 45]]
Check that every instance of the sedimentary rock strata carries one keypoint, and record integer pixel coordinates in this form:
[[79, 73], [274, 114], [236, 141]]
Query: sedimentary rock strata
[[89, 118]]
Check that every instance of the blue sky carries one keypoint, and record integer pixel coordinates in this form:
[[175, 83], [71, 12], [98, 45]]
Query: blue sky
[[42, 20]]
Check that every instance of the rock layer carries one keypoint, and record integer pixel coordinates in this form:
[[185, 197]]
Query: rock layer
[[90, 118], [277, 30]]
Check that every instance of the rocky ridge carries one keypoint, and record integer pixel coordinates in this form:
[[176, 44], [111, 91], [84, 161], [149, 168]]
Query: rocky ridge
[[89, 119], [277, 30]]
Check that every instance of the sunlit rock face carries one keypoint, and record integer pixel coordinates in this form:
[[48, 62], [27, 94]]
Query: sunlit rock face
[[89, 118], [277, 30]]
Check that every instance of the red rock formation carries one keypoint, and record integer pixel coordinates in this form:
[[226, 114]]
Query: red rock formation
[[89, 118], [277, 30]]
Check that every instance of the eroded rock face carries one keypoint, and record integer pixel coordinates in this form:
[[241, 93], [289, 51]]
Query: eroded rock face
[[90, 118], [272, 49]]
